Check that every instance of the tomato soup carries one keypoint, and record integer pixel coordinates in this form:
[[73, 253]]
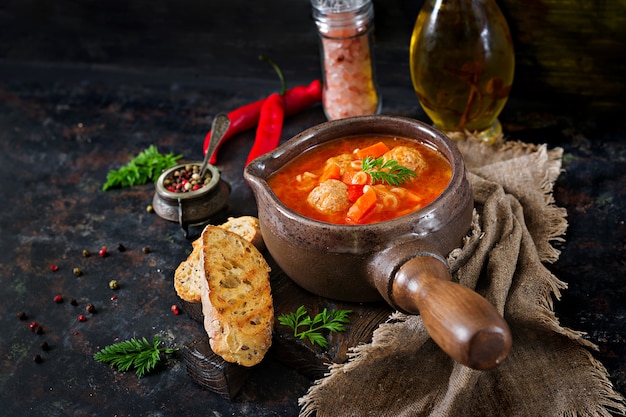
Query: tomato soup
[[362, 179]]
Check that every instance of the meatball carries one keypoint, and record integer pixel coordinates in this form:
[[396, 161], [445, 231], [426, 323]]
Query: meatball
[[331, 196], [343, 161], [407, 157]]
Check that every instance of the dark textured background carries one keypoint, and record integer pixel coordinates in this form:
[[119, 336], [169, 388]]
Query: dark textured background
[[85, 85]]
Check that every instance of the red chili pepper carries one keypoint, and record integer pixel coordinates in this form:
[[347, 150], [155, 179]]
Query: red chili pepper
[[246, 117], [271, 119], [270, 126]]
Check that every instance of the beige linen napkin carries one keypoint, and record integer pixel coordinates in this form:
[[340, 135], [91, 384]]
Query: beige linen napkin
[[550, 370]]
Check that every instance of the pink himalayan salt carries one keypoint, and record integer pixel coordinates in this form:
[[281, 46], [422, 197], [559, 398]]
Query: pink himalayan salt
[[349, 88]]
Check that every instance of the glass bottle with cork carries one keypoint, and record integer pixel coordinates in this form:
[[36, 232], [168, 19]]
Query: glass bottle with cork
[[345, 28]]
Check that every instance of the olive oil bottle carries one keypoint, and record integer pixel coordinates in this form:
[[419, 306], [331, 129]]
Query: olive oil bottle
[[462, 65]]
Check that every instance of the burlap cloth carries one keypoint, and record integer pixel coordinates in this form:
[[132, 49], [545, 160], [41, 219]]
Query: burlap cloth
[[550, 370]]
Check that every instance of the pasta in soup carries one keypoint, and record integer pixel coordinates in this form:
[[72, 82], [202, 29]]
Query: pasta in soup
[[362, 179]]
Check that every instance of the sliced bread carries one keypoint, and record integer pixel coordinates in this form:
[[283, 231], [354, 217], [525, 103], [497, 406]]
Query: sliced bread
[[246, 227], [189, 274], [236, 297]]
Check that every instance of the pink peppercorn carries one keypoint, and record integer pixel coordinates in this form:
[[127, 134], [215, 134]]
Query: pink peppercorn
[[103, 252], [54, 268], [58, 299], [82, 317], [175, 309]]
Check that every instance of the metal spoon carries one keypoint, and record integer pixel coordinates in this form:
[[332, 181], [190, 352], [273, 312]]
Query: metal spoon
[[220, 125]]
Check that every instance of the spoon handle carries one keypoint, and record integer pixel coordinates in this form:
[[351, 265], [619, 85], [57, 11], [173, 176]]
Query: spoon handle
[[463, 323], [220, 125]]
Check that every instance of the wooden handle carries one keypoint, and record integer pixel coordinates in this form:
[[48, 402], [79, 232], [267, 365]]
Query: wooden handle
[[464, 324]]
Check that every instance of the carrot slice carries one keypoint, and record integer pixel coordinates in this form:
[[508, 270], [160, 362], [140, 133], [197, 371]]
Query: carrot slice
[[362, 206], [375, 150], [331, 172]]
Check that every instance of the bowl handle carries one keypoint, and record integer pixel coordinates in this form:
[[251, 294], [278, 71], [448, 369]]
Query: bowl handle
[[463, 323]]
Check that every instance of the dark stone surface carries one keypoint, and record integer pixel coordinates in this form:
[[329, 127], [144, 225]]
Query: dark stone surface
[[84, 86]]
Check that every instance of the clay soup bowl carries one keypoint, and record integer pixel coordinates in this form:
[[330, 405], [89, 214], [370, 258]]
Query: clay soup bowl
[[402, 261]]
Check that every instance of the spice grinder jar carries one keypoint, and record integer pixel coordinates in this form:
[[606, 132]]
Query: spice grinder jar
[[191, 207]]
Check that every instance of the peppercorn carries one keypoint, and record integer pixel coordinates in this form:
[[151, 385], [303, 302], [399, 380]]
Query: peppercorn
[[186, 179], [90, 308], [175, 309], [77, 272], [113, 297], [86, 253], [58, 299], [37, 358], [113, 284], [33, 325], [45, 346], [121, 248], [82, 317], [54, 268], [150, 209], [145, 249], [73, 302], [22, 316], [103, 252]]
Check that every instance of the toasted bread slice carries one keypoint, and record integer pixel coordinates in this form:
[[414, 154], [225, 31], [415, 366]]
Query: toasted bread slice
[[236, 297], [246, 227], [189, 275]]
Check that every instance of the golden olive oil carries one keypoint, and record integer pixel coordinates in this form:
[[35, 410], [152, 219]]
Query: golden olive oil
[[462, 63]]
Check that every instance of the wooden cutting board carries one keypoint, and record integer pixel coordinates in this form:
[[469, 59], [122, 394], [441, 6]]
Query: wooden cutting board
[[312, 360], [210, 371]]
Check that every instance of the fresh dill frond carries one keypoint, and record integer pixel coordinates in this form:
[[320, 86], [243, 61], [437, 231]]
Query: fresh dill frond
[[390, 172], [137, 354]]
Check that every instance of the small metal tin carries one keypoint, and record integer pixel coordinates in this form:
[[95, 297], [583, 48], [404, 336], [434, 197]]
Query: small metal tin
[[192, 207]]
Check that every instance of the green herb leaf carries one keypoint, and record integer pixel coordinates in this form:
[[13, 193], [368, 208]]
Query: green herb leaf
[[326, 320], [390, 172], [146, 166], [138, 354]]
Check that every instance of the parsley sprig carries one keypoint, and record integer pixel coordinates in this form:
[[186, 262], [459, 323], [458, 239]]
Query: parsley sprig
[[146, 166], [138, 354], [390, 171], [330, 320]]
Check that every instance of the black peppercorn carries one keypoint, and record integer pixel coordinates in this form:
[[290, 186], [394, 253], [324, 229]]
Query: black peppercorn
[[121, 248], [38, 358], [45, 346], [73, 302], [90, 308], [145, 249], [22, 316]]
